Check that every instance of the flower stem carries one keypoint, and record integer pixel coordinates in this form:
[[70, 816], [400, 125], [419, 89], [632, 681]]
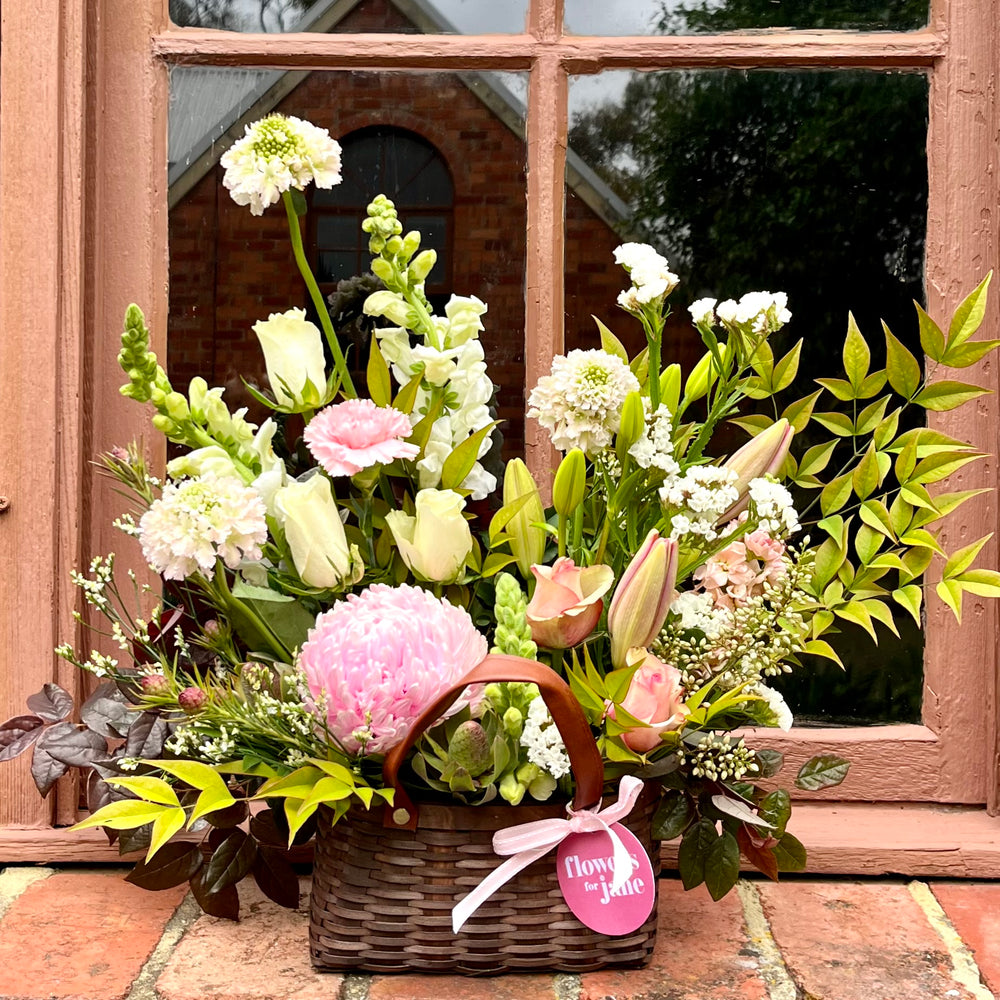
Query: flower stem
[[295, 234]]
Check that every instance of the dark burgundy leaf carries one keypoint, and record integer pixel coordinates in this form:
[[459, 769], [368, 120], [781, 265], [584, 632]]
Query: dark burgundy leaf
[[231, 862], [172, 865], [762, 858], [146, 736], [230, 816], [276, 877], [107, 712], [138, 839], [129, 684], [769, 763], [52, 703], [71, 746], [46, 769], [225, 903], [264, 828], [17, 734]]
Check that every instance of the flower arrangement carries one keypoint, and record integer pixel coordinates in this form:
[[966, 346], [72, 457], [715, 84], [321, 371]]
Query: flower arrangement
[[325, 579]]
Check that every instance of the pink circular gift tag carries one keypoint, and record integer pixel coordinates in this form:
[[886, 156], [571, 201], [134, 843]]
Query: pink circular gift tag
[[586, 870]]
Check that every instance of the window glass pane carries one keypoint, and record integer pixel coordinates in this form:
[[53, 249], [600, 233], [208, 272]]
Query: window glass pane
[[697, 17], [448, 149], [812, 183], [431, 17]]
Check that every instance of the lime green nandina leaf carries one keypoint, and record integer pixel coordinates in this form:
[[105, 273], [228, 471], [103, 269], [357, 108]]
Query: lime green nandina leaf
[[798, 412], [910, 597], [961, 560], [901, 366], [948, 394], [867, 475], [968, 316], [857, 356]]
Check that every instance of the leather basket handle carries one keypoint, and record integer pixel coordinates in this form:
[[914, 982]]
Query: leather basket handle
[[584, 757]]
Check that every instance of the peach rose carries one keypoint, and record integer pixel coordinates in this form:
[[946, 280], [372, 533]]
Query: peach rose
[[567, 602]]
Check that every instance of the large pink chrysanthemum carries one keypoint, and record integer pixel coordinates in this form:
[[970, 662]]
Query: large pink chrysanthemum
[[375, 660], [357, 434]]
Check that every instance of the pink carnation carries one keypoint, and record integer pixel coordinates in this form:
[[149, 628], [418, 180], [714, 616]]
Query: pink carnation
[[357, 434], [374, 661]]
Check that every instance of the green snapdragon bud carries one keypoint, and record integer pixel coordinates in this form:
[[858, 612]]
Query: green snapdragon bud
[[394, 246], [422, 265], [633, 423], [177, 407], [512, 790], [382, 270], [513, 633], [513, 722], [135, 357], [164, 424], [411, 243]]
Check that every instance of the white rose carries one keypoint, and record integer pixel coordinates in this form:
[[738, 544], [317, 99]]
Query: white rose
[[314, 531], [435, 542], [293, 354]]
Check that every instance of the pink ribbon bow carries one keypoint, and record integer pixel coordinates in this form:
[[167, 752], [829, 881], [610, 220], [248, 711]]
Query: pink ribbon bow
[[530, 841]]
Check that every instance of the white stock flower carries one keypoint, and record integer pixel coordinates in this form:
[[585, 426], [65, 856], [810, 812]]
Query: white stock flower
[[774, 507], [703, 311], [776, 702], [276, 154], [580, 402], [698, 499], [651, 276], [201, 520], [655, 447], [699, 610], [541, 738]]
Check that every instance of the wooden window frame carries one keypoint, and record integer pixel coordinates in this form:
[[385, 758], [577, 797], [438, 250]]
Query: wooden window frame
[[88, 233]]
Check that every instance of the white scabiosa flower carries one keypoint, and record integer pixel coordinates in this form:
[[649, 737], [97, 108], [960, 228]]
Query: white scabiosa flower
[[580, 402], [276, 154], [199, 520]]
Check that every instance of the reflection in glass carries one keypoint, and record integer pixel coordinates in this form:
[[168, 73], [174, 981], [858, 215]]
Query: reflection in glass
[[431, 17], [813, 183], [700, 17], [448, 149]]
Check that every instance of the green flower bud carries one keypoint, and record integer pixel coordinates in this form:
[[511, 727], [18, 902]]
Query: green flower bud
[[511, 790], [411, 243], [422, 266], [701, 378], [164, 424], [513, 722], [570, 483], [382, 269], [469, 747], [527, 543], [670, 387], [177, 407], [393, 246], [633, 423], [197, 393]]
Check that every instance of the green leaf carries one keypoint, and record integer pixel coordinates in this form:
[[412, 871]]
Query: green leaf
[[910, 597], [901, 366], [857, 356], [790, 854], [934, 468], [982, 582], [786, 369], [886, 429], [798, 412], [694, 851], [610, 343], [958, 562], [829, 558], [837, 423], [722, 865], [966, 355], [836, 528], [874, 514], [460, 462], [916, 562], [823, 771], [867, 542], [407, 396], [856, 612], [211, 800], [673, 815], [148, 788], [752, 423], [871, 416], [840, 388], [969, 315], [191, 772], [421, 432], [124, 815], [931, 337], [881, 612], [921, 539], [835, 494], [164, 827], [951, 593], [298, 201], [770, 762], [819, 647], [816, 458], [865, 478], [948, 394], [379, 384], [495, 562], [776, 808]]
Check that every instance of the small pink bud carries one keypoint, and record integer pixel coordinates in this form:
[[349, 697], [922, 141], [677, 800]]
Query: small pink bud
[[191, 699], [155, 684], [118, 453], [211, 628]]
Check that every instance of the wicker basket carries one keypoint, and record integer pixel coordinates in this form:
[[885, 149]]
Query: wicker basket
[[384, 885]]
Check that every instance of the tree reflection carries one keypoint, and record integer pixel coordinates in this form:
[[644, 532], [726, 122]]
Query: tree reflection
[[240, 15]]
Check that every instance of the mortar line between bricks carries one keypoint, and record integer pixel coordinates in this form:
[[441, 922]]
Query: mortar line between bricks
[[144, 985], [963, 962], [14, 881], [774, 972]]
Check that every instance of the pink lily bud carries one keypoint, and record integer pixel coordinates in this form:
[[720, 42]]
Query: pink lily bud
[[567, 602], [762, 455], [654, 696], [643, 597]]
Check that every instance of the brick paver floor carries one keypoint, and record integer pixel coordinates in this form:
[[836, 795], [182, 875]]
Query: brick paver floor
[[85, 934]]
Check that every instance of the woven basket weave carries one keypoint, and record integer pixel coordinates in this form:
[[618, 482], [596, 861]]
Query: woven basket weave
[[383, 893]]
